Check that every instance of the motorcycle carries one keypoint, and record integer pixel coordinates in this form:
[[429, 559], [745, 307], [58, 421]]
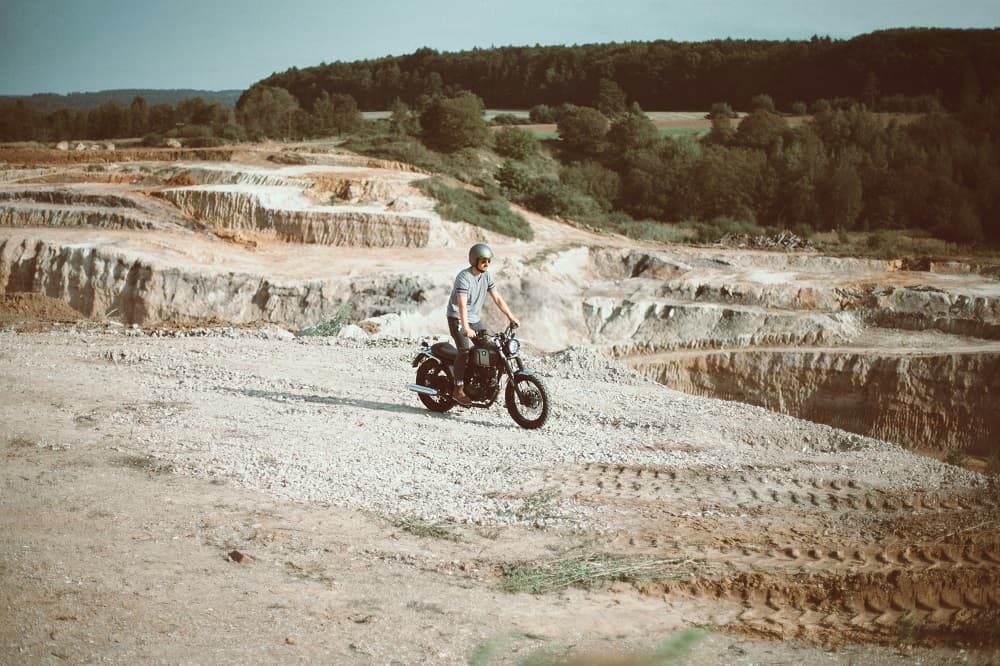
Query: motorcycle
[[492, 359]]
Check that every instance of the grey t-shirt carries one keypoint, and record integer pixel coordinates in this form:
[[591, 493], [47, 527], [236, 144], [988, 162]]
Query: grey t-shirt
[[474, 290]]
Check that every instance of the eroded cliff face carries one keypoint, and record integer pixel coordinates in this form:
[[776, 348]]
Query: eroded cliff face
[[232, 207], [99, 281], [649, 326], [314, 201], [927, 400], [86, 206]]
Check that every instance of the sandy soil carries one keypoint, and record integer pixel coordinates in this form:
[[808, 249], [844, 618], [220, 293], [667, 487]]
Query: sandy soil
[[110, 553]]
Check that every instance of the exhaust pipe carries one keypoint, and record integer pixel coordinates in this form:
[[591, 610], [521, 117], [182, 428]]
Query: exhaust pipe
[[417, 388]]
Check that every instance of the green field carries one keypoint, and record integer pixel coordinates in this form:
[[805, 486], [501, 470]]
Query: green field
[[672, 131]]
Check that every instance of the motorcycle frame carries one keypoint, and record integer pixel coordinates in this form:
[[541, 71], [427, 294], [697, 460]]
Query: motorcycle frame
[[509, 362]]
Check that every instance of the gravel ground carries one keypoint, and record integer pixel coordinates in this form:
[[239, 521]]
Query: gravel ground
[[328, 420], [248, 496]]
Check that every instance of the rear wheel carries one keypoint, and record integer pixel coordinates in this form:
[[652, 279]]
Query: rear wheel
[[527, 401], [432, 375]]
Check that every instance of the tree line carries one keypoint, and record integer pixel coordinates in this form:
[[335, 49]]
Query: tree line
[[843, 169], [884, 70], [197, 121], [85, 101], [262, 112]]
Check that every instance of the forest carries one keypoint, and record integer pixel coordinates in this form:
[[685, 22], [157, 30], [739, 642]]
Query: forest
[[877, 69], [895, 130], [85, 101]]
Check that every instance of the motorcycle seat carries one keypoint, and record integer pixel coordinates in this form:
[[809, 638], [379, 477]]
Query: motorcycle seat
[[444, 351]]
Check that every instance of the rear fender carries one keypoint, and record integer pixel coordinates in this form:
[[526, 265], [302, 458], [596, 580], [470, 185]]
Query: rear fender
[[423, 355]]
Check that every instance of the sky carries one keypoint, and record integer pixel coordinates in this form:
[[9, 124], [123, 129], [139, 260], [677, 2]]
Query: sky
[[63, 46]]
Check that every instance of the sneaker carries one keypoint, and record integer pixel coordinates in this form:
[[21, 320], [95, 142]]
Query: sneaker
[[458, 395]]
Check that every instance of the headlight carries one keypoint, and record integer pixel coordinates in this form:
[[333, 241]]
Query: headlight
[[512, 346]]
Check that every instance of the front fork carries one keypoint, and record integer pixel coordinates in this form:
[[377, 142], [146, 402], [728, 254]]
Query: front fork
[[515, 368]]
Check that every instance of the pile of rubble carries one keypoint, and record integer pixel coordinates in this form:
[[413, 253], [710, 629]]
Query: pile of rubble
[[784, 240]]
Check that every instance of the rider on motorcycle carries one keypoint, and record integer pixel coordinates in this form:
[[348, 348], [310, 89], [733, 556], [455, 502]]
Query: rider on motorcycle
[[464, 307]]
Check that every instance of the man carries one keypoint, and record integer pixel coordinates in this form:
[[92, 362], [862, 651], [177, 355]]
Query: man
[[464, 307]]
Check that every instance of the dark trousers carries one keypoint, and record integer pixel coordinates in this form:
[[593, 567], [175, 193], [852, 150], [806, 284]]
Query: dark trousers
[[464, 344]]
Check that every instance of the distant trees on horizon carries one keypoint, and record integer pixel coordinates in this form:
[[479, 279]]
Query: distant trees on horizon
[[881, 70], [844, 169]]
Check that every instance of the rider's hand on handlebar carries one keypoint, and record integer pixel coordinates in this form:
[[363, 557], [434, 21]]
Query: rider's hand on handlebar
[[470, 332], [514, 322]]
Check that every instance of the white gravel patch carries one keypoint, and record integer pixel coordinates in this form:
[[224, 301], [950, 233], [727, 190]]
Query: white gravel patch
[[329, 420]]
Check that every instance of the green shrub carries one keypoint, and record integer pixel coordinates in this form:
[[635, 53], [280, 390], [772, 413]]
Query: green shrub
[[397, 149], [332, 326], [720, 227], [601, 183], [515, 143], [586, 572], [762, 102], [803, 230], [820, 106], [954, 456], [542, 114], [650, 230], [482, 210], [514, 180], [192, 132], [509, 119], [233, 133], [204, 142], [549, 197], [582, 130], [879, 241], [721, 110], [452, 123]]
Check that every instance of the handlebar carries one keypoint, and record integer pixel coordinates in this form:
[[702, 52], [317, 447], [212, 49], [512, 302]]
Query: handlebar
[[509, 330]]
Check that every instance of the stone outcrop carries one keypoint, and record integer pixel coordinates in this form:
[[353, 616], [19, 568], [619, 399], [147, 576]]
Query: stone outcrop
[[922, 307], [650, 326], [223, 174], [235, 208], [86, 206], [40, 156], [927, 400], [878, 292], [97, 280]]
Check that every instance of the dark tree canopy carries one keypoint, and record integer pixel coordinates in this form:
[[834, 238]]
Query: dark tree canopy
[[452, 123], [950, 65]]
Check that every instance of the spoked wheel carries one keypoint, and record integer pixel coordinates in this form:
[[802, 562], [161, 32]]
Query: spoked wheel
[[527, 401], [432, 375]]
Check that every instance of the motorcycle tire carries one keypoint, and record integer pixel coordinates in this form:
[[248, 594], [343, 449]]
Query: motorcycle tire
[[530, 408], [432, 375]]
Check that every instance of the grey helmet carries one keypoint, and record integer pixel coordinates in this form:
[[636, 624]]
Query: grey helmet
[[479, 251]]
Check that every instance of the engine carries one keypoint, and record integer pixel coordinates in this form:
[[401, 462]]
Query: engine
[[482, 383]]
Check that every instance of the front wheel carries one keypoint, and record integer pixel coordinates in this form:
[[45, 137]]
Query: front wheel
[[527, 401], [432, 375]]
